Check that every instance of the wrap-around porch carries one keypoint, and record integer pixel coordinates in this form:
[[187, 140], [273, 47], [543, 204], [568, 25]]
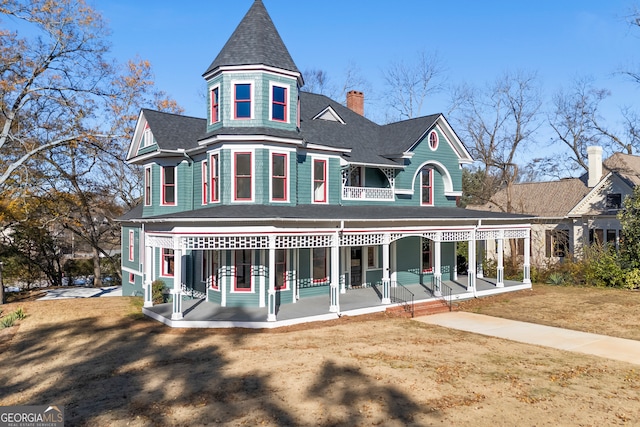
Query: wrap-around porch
[[198, 313]]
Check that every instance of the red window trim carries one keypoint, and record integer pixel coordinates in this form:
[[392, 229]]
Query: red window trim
[[430, 186], [215, 105], [235, 276], [132, 278], [285, 284], [236, 101], [324, 180], [165, 254], [215, 177], [164, 186], [236, 176], [434, 145], [131, 248], [283, 178], [284, 104], [205, 182]]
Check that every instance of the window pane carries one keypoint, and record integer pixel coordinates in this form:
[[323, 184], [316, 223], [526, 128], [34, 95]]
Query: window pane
[[318, 171], [319, 264], [169, 175], [277, 112], [243, 269], [243, 92], [243, 164], [279, 94], [243, 188], [169, 194], [278, 165]]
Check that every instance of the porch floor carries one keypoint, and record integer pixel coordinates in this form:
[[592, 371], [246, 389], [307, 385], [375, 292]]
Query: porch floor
[[203, 314]]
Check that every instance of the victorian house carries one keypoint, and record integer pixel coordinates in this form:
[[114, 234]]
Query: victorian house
[[278, 195]]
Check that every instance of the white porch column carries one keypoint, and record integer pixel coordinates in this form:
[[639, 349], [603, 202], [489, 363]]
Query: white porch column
[[437, 266], [148, 279], [500, 267], [455, 258], [177, 283], [296, 268], [343, 268], [471, 284], [526, 278], [271, 293], [482, 247], [386, 280], [335, 274]]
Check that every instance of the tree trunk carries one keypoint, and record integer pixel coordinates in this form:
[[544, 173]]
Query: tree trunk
[[97, 274]]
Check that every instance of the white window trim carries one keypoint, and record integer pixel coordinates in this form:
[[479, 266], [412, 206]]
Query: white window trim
[[252, 85], [376, 258], [287, 176], [437, 140], [288, 101], [175, 185], [233, 177], [205, 191], [326, 174], [149, 186], [132, 254]]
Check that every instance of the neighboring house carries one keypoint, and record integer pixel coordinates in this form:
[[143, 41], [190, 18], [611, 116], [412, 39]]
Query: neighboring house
[[572, 212], [278, 194]]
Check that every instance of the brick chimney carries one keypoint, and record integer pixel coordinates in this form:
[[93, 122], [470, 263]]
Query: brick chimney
[[594, 156], [355, 101]]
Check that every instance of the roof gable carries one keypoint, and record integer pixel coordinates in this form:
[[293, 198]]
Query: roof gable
[[255, 41]]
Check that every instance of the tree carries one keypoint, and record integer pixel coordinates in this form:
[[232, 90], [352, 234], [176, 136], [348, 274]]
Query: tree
[[411, 83], [48, 81], [629, 217], [319, 81], [497, 122]]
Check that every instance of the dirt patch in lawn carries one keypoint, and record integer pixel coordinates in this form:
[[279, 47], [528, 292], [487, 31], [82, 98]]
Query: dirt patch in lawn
[[108, 365]]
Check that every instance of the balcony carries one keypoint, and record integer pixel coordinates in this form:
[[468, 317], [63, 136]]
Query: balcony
[[367, 193]]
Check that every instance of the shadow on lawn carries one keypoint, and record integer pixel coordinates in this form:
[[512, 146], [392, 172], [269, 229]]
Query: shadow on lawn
[[141, 371]]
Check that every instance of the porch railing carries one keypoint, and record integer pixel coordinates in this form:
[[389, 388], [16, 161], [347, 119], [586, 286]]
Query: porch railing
[[367, 193], [447, 294], [403, 296]]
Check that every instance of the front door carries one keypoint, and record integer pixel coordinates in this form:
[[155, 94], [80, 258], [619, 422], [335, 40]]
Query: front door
[[356, 267]]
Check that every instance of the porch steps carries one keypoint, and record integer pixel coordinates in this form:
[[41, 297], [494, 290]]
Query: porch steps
[[421, 309]]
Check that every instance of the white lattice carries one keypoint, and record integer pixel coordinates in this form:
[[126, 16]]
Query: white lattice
[[367, 193], [304, 241], [488, 234], [516, 234], [193, 293], [361, 239], [225, 242], [456, 236], [159, 241], [391, 176]]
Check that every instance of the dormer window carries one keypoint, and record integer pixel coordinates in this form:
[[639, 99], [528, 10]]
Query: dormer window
[[614, 201], [147, 136], [242, 101], [279, 103], [215, 105]]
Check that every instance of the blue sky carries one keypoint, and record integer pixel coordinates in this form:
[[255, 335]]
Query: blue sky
[[476, 40]]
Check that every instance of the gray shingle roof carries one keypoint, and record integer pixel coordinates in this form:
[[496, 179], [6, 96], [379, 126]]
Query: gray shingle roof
[[328, 212], [173, 131], [255, 41]]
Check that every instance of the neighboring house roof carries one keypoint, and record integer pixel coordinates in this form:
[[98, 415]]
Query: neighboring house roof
[[543, 199], [325, 212], [255, 41], [627, 166]]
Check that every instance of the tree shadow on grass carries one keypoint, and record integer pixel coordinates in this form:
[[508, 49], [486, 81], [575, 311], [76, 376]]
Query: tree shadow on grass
[[140, 371]]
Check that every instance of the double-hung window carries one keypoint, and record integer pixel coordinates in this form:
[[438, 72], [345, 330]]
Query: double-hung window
[[279, 104], [242, 270], [426, 184], [281, 269], [167, 262], [320, 181], [169, 185], [319, 265], [147, 186], [205, 182], [215, 105], [427, 266], [131, 245], [242, 101], [215, 177], [242, 176], [278, 177]]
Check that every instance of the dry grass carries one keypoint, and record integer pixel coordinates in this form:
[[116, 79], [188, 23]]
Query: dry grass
[[109, 366]]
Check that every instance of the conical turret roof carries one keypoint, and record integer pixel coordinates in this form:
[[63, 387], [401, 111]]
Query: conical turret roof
[[255, 41]]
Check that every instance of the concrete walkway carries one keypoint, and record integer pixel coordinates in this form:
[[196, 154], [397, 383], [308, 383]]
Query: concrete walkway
[[564, 339]]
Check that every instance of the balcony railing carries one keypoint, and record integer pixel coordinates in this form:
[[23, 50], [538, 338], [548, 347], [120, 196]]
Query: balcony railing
[[367, 193]]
